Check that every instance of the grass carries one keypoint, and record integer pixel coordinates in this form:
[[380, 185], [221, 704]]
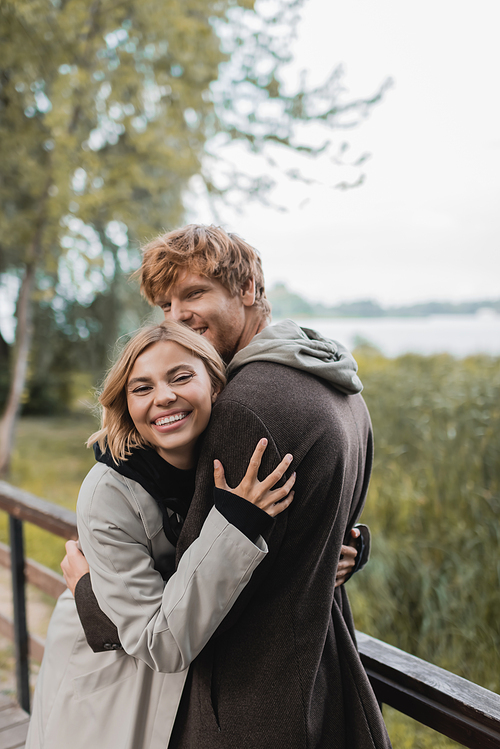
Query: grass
[[406, 733], [50, 460]]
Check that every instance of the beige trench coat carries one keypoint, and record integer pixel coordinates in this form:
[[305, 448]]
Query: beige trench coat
[[128, 699]]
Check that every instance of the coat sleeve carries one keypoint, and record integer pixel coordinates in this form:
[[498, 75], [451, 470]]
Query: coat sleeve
[[163, 624], [235, 455], [100, 632]]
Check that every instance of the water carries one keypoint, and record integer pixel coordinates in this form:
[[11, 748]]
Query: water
[[459, 335]]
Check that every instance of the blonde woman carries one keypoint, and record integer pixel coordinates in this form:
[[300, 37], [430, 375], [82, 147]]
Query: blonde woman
[[156, 402]]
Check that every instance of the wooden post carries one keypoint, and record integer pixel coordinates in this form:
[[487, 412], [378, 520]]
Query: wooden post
[[19, 600]]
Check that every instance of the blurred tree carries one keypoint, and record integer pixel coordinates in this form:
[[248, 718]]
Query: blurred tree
[[286, 303], [4, 367], [105, 112]]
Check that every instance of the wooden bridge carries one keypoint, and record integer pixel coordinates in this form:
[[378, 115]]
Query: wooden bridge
[[455, 707]]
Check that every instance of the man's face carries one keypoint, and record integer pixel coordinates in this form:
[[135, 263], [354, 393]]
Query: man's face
[[207, 307]]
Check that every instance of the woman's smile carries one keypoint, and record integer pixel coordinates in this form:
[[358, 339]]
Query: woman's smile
[[171, 420]]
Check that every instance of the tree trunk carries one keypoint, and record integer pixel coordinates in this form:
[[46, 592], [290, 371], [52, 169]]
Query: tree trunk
[[24, 332]]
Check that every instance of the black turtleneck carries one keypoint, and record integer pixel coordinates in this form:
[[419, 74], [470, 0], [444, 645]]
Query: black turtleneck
[[173, 488]]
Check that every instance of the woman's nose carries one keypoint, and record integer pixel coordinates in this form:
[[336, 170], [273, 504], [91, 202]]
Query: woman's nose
[[164, 394]]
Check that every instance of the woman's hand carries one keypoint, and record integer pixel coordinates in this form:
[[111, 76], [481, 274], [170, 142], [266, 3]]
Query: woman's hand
[[260, 493], [74, 565]]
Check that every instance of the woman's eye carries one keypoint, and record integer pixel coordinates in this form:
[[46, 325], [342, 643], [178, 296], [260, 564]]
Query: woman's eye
[[180, 379], [141, 390]]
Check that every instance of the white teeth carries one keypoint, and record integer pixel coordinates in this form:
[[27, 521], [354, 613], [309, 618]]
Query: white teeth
[[200, 331], [170, 419]]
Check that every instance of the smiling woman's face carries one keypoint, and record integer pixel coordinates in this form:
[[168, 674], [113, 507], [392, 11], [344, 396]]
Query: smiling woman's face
[[169, 398]]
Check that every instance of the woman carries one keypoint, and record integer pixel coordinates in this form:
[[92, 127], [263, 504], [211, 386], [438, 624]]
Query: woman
[[156, 401]]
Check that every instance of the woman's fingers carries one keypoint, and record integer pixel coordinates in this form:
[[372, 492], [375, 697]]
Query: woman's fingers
[[255, 461], [278, 494], [261, 493], [278, 472], [269, 498], [287, 486], [275, 509], [219, 475]]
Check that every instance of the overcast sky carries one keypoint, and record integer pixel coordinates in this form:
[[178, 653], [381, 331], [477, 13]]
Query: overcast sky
[[426, 223]]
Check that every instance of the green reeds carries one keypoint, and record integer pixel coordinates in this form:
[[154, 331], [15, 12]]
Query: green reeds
[[432, 587]]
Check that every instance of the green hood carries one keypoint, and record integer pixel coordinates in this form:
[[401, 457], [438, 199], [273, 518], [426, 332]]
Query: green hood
[[301, 348]]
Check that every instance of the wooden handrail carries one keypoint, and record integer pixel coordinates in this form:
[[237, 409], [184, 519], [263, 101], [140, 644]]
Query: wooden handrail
[[451, 705], [25, 506], [455, 707], [41, 577]]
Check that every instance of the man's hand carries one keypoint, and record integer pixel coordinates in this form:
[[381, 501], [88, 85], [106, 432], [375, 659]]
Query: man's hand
[[74, 565], [347, 561]]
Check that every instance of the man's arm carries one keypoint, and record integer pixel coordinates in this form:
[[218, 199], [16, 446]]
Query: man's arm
[[99, 630]]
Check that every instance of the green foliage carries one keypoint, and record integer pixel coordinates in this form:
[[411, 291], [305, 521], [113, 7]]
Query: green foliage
[[80, 339], [94, 99], [432, 587], [106, 110]]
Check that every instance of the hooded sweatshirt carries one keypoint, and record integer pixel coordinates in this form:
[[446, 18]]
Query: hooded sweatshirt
[[305, 349]]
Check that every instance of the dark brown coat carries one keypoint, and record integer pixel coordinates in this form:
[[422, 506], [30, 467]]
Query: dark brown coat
[[282, 671]]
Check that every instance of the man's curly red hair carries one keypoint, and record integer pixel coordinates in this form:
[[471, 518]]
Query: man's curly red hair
[[206, 250]]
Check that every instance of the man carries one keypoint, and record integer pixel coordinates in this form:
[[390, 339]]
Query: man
[[282, 671]]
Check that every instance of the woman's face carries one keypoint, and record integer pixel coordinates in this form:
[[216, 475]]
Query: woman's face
[[169, 398]]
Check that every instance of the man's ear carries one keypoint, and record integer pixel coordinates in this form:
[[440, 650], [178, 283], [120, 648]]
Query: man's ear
[[247, 292]]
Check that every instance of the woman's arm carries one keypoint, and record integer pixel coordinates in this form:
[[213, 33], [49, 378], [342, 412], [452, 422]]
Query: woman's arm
[[166, 625], [100, 631]]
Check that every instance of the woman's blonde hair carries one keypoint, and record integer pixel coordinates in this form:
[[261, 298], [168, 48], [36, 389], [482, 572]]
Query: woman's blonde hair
[[118, 432]]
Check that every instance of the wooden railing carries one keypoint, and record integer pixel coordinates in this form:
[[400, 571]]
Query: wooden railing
[[455, 707], [23, 506]]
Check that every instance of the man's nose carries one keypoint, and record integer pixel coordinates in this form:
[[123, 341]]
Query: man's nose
[[178, 311]]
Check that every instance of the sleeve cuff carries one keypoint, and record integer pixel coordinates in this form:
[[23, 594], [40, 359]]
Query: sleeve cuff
[[248, 518], [363, 543], [99, 630]]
